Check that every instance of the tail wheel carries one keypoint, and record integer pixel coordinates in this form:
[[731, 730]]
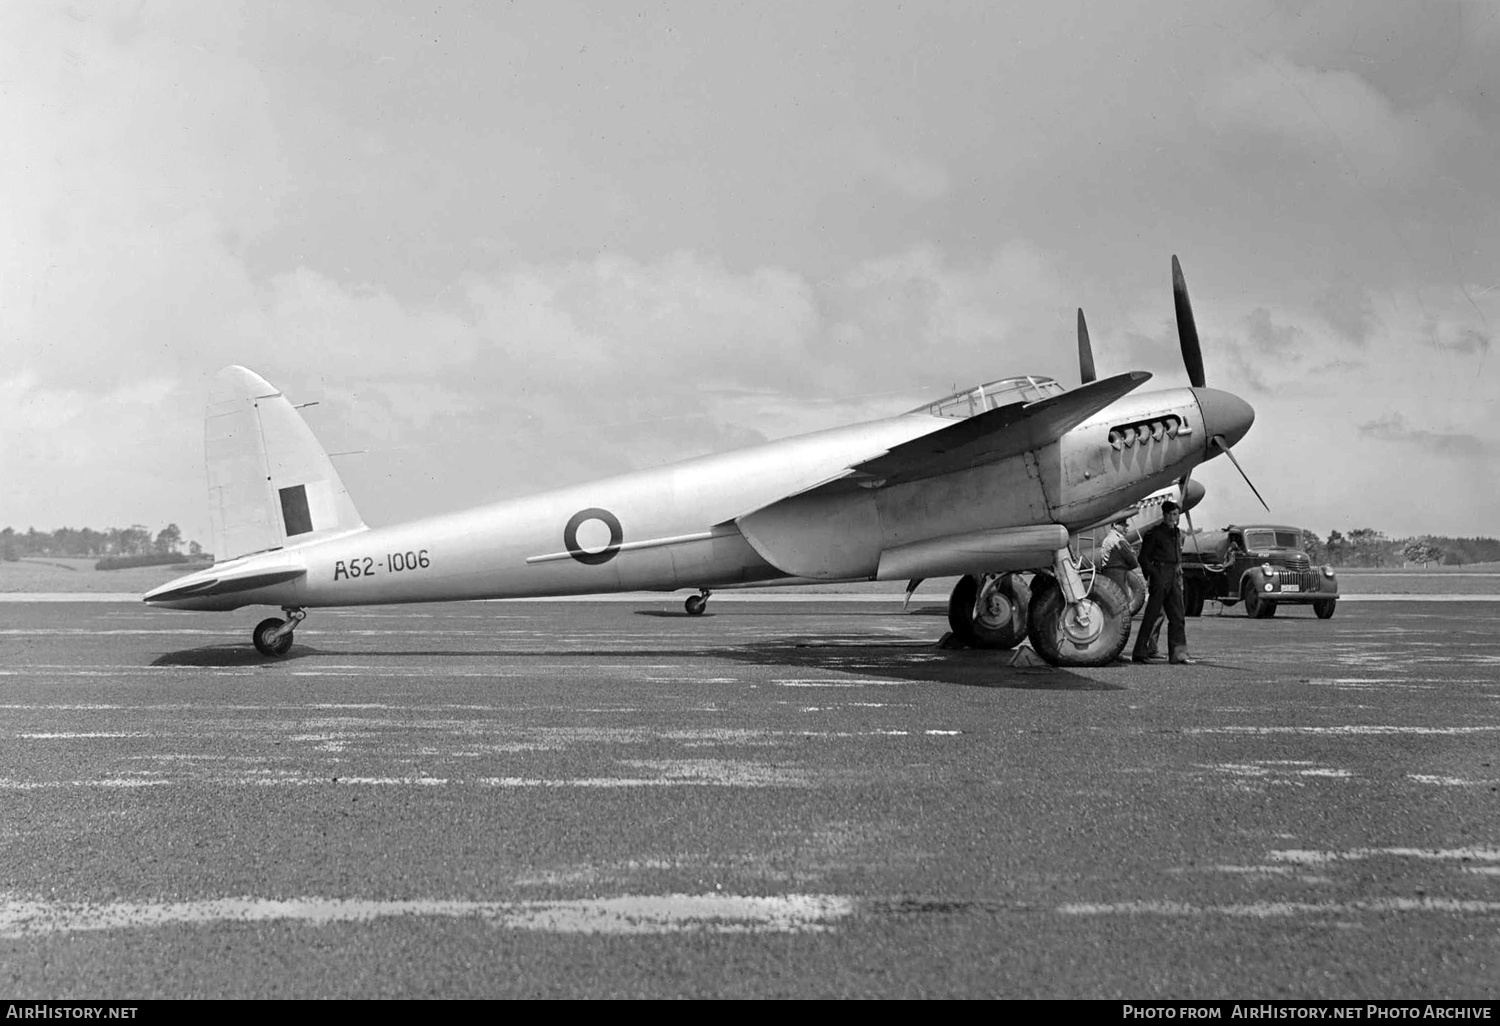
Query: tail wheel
[[1256, 607], [1324, 608], [696, 604], [1064, 636], [262, 638], [989, 611]]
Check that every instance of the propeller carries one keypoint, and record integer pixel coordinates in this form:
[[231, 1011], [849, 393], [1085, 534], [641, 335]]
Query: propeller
[[1187, 329], [1187, 514], [1192, 360], [1085, 351], [1218, 441]]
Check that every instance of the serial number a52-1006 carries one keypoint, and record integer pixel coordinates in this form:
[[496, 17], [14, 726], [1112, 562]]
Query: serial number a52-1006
[[391, 563]]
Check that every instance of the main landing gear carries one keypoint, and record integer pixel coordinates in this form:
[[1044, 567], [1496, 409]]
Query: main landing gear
[[989, 610], [1068, 621], [696, 604], [273, 637]]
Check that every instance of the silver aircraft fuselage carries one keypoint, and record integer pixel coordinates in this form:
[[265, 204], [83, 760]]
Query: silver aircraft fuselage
[[751, 515]]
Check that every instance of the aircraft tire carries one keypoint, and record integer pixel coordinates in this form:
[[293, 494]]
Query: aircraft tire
[[1061, 640], [695, 605], [263, 645], [1001, 622], [1324, 608], [1138, 591]]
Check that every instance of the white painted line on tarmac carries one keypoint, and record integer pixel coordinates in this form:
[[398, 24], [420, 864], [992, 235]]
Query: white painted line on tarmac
[[37, 785], [891, 598], [1427, 778], [1306, 857], [1352, 729], [625, 914], [834, 682], [1283, 909], [72, 735]]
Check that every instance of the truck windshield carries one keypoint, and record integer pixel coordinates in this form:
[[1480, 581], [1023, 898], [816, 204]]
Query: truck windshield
[[1269, 539]]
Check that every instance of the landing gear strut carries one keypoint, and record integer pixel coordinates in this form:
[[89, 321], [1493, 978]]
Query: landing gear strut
[[1076, 624], [273, 637], [696, 604]]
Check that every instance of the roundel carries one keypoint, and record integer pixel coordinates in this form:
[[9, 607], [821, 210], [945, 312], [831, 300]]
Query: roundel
[[583, 516]]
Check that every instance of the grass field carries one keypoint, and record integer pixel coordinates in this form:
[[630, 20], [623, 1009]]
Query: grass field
[[43, 574], [50, 574]]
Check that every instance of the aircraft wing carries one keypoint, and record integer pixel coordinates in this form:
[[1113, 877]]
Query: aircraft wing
[[997, 434]]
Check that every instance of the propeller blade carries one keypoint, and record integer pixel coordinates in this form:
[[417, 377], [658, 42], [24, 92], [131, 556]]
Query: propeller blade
[[1085, 351], [1219, 441], [1187, 329], [1182, 498]]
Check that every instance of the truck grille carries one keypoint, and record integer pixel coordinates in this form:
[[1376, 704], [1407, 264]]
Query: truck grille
[[1306, 580], [1292, 561]]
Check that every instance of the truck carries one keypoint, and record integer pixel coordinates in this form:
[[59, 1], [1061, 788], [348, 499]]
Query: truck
[[1262, 565]]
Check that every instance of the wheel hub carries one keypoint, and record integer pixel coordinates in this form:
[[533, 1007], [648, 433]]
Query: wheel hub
[[994, 608], [1082, 623]]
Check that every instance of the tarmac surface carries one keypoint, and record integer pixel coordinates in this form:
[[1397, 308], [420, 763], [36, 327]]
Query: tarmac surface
[[810, 799]]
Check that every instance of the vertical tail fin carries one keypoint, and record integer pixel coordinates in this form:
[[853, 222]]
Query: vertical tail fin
[[270, 484]]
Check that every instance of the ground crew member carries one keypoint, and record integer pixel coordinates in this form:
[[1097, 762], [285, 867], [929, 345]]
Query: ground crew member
[[1161, 559], [1117, 558]]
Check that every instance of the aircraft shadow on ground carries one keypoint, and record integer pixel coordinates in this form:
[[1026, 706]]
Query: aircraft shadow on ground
[[920, 662], [230, 656]]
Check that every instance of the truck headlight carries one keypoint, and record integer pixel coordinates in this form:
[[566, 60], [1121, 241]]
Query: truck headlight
[[1327, 570]]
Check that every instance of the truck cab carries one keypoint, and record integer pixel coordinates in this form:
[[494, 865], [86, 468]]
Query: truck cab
[[1262, 565]]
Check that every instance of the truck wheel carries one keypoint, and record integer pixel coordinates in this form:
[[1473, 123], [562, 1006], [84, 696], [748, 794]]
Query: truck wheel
[[1256, 607], [1193, 599], [1324, 608]]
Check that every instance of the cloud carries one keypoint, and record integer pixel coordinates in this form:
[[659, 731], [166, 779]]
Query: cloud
[[1393, 428], [1333, 115], [138, 150], [1348, 310], [1458, 338], [914, 177], [1271, 340]]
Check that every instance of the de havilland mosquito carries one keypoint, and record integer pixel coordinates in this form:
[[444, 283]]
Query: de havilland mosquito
[[993, 483]]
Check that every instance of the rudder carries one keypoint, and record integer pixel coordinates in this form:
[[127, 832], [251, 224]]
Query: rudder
[[270, 484]]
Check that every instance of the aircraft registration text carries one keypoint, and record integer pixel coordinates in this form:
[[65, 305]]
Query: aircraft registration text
[[391, 563]]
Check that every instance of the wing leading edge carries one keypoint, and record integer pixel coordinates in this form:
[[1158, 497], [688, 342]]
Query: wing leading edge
[[998, 434]]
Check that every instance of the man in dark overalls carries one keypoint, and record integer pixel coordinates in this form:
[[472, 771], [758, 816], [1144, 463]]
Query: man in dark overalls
[[1161, 559]]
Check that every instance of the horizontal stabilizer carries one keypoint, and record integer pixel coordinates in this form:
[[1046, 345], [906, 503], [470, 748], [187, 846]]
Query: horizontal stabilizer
[[227, 584], [998, 434]]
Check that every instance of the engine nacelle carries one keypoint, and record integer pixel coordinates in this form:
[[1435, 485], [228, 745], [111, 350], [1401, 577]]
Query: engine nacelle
[[994, 551]]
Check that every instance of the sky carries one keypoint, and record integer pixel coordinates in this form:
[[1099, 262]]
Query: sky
[[509, 247]]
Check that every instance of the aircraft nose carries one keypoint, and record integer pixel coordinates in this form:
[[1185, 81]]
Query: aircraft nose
[[1224, 413]]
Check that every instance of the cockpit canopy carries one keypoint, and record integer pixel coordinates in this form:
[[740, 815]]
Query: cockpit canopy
[[992, 395]]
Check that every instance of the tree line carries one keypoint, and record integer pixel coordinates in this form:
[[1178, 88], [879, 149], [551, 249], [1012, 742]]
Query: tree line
[[135, 541], [1365, 546], [1362, 546]]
